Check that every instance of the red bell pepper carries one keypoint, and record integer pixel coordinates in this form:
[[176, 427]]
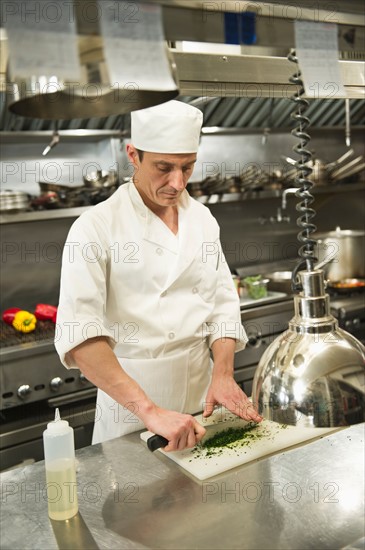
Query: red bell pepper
[[54, 318], [45, 312], [9, 314]]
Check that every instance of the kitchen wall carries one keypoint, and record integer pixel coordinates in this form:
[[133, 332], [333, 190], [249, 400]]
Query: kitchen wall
[[31, 255], [31, 252], [22, 165], [231, 154], [250, 234]]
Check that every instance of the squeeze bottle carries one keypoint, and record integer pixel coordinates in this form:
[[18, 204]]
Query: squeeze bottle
[[59, 455]]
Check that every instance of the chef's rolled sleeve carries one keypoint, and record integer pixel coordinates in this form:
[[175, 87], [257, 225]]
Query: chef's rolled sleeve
[[81, 311], [225, 321], [77, 333]]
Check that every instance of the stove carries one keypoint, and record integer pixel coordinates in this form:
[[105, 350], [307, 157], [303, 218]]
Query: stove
[[45, 330], [263, 322], [33, 383], [349, 310]]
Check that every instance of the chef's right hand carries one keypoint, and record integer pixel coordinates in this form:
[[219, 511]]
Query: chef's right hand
[[181, 430]]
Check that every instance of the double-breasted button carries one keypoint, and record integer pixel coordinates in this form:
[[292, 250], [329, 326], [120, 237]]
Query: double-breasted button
[[194, 290], [171, 335], [159, 251]]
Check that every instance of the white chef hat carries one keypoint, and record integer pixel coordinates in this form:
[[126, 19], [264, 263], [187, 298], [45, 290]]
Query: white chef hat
[[172, 127]]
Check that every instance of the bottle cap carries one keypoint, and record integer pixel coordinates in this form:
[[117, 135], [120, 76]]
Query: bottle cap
[[57, 426]]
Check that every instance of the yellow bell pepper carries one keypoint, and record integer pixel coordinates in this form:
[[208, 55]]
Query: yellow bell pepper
[[24, 321]]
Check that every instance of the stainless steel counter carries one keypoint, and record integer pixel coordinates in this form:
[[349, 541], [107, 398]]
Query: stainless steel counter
[[308, 497]]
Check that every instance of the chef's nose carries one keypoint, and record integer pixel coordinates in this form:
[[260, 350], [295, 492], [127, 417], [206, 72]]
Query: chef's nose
[[176, 180]]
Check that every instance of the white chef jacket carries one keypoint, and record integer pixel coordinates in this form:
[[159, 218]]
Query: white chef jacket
[[161, 299]]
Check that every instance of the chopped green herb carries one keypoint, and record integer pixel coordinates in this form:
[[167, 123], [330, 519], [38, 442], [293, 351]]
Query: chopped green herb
[[224, 438], [231, 438]]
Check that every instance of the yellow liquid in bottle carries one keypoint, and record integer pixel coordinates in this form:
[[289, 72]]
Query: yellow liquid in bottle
[[61, 489]]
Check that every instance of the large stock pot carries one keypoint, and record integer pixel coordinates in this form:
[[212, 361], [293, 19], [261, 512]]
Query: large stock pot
[[344, 249]]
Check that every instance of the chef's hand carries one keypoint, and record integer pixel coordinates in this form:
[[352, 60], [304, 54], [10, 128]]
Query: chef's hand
[[181, 430], [225, 391]]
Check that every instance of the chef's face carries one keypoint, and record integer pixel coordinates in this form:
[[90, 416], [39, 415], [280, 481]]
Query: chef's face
[[161, 178]]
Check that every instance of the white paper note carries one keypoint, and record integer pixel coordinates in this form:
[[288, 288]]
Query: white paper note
[[317, 51], [42, 39], [134, 45]]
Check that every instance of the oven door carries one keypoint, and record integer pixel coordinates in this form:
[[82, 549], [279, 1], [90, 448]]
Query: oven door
[[21, 437]]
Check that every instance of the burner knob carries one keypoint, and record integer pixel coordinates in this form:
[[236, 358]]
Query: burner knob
[[56, 383], [23, 391], [83, 379]]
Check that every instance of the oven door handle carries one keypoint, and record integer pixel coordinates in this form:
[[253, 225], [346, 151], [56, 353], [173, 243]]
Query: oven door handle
[[72, 398]]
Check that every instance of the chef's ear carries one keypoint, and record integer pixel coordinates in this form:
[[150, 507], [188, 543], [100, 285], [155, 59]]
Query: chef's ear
[[132, 154]]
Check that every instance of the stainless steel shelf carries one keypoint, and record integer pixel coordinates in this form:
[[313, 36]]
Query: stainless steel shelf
[[65, 135], [43, 215], [275, 193]]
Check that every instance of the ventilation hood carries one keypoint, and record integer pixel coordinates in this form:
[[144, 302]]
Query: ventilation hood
[[208, 67]]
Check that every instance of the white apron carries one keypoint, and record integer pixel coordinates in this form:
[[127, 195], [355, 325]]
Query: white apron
[[178, 382]]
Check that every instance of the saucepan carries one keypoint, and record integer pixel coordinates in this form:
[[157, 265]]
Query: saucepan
[[340, 254], [55, 187], [13, 201], [101, 178], [350, 169], [323, 173], [279, 281], [319, 174], [346, 285], [344, 252], [65, 195]]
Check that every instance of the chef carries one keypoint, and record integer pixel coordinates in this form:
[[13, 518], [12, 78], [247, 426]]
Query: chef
[[146, 294]]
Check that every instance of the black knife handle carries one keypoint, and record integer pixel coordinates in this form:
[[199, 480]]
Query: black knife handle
[[156, 441]]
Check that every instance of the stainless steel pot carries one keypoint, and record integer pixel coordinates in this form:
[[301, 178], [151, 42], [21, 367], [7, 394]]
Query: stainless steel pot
[[101, 178], [279, 281], [344, 250], [13, 201], [45, 187]]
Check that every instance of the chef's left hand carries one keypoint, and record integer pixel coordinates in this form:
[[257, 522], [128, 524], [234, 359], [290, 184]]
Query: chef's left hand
[[225, 391]]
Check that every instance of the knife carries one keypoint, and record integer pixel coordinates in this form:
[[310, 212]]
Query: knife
[[217, 422], [156, 442]]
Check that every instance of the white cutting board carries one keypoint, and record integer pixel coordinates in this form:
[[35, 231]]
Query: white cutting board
[[275, 438]]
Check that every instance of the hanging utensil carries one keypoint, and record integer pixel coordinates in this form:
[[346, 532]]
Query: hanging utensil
[[348, 173], [288, 160], [319, 173], [267, 129], [54, 141], [348, 123], [337, 174], [332, 165]]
